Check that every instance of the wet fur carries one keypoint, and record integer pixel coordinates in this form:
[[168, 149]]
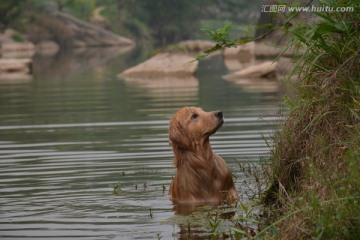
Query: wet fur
[[201, 175]]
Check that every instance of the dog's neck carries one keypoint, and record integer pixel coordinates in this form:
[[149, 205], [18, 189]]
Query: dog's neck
[[196, 152], [196, 170]]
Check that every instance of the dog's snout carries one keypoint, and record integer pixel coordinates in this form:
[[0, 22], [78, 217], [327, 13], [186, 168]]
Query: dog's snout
[[219, 114]]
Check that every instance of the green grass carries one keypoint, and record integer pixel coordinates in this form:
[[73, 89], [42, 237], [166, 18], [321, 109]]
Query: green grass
[[315, 165]]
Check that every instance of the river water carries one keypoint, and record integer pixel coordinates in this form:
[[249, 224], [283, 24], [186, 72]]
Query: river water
[[75, 130]]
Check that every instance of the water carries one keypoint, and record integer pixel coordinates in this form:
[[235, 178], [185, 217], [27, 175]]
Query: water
[[74, 131]]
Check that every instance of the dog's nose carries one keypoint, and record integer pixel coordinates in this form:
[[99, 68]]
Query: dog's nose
[[219, 114]]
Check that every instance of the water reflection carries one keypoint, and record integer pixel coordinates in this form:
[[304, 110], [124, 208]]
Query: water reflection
[[64, 144], [74, 60], [163, 92], [263, 85]]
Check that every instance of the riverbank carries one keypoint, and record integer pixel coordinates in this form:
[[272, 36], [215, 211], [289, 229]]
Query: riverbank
[[315, 182], [54, 31]]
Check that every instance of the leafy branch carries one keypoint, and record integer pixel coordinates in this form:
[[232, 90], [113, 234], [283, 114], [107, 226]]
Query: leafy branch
[[221, 36]]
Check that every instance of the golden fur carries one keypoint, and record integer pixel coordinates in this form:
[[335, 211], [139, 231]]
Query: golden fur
[[201, 175]]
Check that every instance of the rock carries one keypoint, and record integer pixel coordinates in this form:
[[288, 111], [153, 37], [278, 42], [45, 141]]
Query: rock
[[47, 48], [196, 45], [239, 57], [265, 69], [244, 53], [163, 64], [263, 50], [14, 44], [258, 85], [17, 47], [96, 16], [82, 34], [284, 66], [15, 65], [17, 50], [233, 64], [15, 69]]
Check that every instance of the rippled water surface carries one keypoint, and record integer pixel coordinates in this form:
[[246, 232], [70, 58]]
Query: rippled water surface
[[74, 131]]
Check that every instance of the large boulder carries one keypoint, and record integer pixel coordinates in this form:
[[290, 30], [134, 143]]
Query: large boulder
[[14, 44], [261, 70], [195, 45], [258, 85], [15, 68], [240, 57], [77, 33], [163, 64], [47, 48], [266, 50], [244, 53]]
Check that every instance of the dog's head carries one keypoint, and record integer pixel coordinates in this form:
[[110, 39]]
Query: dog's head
[[192, 125]]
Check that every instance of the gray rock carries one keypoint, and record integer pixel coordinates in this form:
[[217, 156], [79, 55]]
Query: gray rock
[[83, 34], [163, 64]]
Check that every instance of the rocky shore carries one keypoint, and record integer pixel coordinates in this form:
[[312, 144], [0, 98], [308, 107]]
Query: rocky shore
[[16, 51]]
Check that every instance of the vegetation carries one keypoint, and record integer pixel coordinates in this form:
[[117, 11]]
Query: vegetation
[[315, 181], [314, 189], [10, 10], [157, 22], [315, 160]]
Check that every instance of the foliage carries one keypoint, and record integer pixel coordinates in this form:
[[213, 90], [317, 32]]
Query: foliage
[[160, 22], [10, 10], [82, 9], [170, 20], [315, 191], [222, 39], [17, 37]]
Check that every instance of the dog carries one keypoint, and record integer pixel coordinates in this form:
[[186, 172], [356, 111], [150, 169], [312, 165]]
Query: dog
[[201, 175]]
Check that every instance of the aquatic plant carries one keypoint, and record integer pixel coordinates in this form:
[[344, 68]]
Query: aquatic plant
[[116, 189]]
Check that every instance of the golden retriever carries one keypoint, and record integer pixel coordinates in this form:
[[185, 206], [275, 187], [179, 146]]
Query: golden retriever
[[201, 175]]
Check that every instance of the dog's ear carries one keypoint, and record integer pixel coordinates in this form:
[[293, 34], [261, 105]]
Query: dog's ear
[[177, 135]]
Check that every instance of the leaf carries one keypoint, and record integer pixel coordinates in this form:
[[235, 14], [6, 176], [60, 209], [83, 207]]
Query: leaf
[[325, 16], [244, 208], [245, 219], [327, 28], [301, 38], [265, 26], [239, 231]]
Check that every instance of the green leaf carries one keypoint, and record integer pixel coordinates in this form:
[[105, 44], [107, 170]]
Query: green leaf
[[325, 16], [300, 37], [244, 208], [239, 231], [327, 28]]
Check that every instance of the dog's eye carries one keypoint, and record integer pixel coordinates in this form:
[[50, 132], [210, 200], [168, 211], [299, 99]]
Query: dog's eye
[[194, 116]]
